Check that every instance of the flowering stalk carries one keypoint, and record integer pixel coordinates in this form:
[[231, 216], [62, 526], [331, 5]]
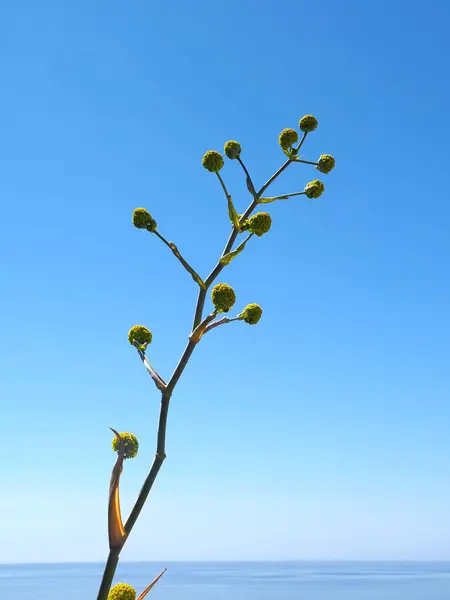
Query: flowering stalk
[[223, 298]]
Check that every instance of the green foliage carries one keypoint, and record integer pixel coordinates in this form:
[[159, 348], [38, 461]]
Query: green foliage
[[130, 444], [140, 334], [260, 223], [308, 123], [232, 149], [314, 189], [212, 161], [122, 591], [223, 297]]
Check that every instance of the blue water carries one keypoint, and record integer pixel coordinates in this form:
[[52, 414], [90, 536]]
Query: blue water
[[236, 581]]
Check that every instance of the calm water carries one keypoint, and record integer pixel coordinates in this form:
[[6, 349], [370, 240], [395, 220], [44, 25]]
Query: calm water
[[236, 581]]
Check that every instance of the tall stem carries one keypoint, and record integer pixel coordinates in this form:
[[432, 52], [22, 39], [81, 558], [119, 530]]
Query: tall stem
[[199, 308], [108, 574], [113, 558]]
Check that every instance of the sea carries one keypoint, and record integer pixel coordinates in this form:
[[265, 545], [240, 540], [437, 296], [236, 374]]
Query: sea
[[236, 581]]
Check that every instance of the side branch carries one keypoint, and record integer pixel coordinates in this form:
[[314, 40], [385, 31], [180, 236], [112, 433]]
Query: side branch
[[196, 335], [158, 380], [222, 321], [218, 268], [195, 276], [248, 179]]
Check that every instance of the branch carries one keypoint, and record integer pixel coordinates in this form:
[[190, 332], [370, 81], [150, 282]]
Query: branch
[[149, 587], [195, 276], [227, 258], [281, 169], [282, 197], [305, 162], [231, 210], [159, 381], [196, 335], [222, 321], [218, 268], [248, 179]]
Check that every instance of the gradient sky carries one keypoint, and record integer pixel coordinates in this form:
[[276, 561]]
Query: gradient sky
[[323, 432]]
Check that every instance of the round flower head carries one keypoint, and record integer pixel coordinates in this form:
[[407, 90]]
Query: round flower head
[[326, 163], [287, 138], [251, 314], [140, 334], [223, 297], [142, 219], [308, 123], [122, 591], [260, 223], [130, 444], [213, 161], [232, 149], [314, 189]]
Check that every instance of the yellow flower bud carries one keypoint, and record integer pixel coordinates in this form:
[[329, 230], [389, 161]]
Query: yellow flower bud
[[326, 163], [260, 223], [212, 161], [314, 189], [122, 591], [232, 149], [142, 219], [140, 334], [223, 297], [130, 443], [287, 138], [308, 123], [251, 314]]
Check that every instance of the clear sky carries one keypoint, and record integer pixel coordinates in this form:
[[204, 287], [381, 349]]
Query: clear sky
[[322, 432]]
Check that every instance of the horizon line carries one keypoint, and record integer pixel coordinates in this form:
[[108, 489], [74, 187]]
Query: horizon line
[[248, 561]]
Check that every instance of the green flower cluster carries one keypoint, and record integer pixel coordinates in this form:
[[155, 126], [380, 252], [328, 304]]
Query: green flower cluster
[[287, 138], [260, 223], [251, 314], [223, 297], [212, 161], [140, 334], [308, 123], [142, 219], [326, 163], [232, 149], [130, 443], [314, 189], [122, 591]]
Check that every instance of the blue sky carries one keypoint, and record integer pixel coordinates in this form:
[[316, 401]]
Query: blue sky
[[322, 432]]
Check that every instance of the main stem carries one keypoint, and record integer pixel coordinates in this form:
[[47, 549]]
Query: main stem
[[113, 558], [108, 574]]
